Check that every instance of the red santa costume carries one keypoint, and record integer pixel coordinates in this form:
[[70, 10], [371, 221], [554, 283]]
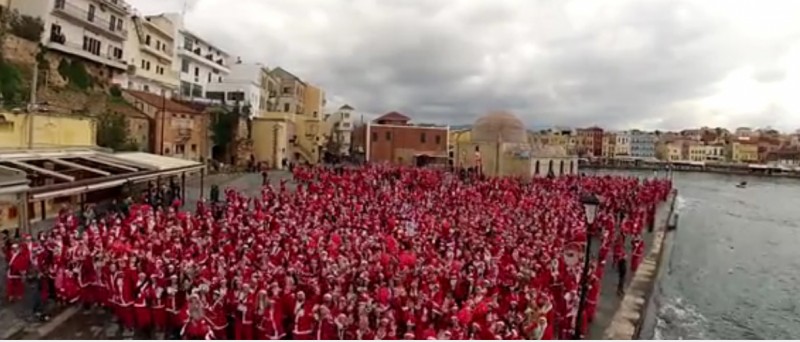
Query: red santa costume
[[243, 328], [17, 267], [144, 291], [303, 318]]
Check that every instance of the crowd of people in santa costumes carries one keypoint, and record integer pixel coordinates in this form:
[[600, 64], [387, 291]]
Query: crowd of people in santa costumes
[[375, 252]]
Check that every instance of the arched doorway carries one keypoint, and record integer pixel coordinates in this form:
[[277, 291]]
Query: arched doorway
[[536, 168], [561, 168], [572, 167], [550, 167]]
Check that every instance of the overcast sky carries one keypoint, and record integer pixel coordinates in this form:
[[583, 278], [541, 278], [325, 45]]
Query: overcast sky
[[651, 64]]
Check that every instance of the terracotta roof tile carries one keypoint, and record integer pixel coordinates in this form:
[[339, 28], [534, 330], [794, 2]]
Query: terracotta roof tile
[[394, 116]]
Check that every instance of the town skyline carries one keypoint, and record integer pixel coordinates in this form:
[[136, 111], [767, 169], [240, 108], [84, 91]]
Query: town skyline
[[577, 63]]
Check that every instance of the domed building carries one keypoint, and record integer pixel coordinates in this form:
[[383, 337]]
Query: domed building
[[498, 146]]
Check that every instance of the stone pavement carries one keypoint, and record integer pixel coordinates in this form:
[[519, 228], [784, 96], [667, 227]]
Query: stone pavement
[[609, 301]]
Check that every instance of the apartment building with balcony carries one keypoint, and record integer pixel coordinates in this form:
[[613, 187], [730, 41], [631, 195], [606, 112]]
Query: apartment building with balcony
[[93, 30], [341, 129], [246, 84], [197, 61], [590, 141], [150, 52]]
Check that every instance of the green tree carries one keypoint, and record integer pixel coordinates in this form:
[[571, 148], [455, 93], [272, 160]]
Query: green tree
[[225, 126], [112, 132]]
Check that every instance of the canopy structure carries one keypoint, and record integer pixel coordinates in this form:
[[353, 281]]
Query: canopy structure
[[51, 173]]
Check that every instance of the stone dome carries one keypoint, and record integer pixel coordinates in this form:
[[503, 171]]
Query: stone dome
[[499, 127]]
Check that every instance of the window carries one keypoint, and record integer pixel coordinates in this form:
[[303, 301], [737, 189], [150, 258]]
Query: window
[[287, 90], [388, 136], [220, 79], [185, 66], [91, 45], [194, 147], [374, 137], [422, 138], [186, 88], [146, 87], [158, 45], [209, 77], [346, 115], [117, 53], [144, 64], [147, 40], [286, 107], [197, 90], [147, 67], [90, 17], [112, 24], [60, 4], [196, 71], [180, 149], [119, 24], [438, 139]]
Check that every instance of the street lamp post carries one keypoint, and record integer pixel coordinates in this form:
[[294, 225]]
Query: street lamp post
[[590, 205]]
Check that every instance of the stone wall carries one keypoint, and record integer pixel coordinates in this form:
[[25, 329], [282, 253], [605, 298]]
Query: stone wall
[[18, 50]]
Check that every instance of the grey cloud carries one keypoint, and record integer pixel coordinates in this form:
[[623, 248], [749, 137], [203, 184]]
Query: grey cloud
[[449, 62]]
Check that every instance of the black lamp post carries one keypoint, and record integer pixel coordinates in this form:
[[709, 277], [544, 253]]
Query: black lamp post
[[590, 205]]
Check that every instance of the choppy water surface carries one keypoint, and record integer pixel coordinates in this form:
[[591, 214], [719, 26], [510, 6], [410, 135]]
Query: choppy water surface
[[735, 268]]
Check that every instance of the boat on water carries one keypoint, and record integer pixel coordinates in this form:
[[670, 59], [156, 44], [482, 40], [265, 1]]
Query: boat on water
[[741, 185]]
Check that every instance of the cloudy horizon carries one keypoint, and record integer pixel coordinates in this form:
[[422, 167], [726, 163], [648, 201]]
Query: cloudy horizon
[[620, 64]]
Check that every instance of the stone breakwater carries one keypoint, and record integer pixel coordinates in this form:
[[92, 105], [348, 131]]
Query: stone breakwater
[[635, 318]]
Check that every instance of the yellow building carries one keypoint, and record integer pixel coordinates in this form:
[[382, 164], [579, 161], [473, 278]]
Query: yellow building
[[457, 146], [695, 151], [309, 131], [673, 151], [609, 144], [500, 146], [150, 48], [744, 152], [49, 130]]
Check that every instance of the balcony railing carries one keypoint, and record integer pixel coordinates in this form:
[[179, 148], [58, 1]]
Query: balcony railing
[[61, 39], [208, 57], [94, 19]]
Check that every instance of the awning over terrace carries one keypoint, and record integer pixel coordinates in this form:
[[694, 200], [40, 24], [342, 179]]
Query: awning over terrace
[[65, 172]]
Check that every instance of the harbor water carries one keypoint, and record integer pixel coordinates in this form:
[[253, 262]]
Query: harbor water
[[734, 272]]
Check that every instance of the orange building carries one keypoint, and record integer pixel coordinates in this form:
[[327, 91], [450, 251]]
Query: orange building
[[177, 130], [391, 138]]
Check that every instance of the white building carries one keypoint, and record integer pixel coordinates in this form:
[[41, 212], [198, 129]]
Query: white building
[[623, 144], [150, 52], [341, 124], [197, 61], [245, 83], [95, 30]]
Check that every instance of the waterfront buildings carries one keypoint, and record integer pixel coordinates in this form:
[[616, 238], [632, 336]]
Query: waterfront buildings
[[609, 144], [94, 31], [622, 146], [590, 141], [499, 145], [642, 144], [392, 138], [744, 151]]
